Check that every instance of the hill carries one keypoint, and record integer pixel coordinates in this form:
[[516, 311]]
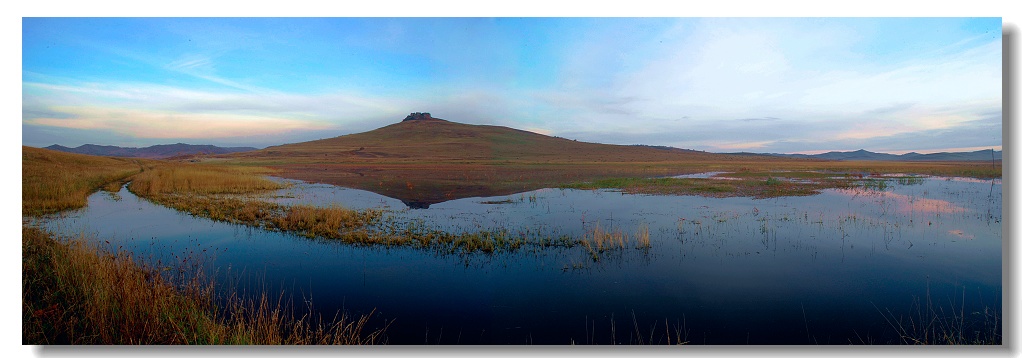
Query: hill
[[423, 138], [153, 152]]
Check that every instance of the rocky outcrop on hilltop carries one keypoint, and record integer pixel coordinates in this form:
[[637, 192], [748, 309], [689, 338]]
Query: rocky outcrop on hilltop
[[419, 116]]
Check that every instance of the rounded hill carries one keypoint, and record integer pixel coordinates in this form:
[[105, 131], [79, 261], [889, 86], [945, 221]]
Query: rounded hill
[[420, 137]]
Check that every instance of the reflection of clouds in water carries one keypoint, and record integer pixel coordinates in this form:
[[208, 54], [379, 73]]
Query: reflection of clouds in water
[[906, 203], [961, 234], [975, 180]]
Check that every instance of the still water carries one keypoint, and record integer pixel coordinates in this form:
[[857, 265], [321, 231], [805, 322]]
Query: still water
[[832, 268]]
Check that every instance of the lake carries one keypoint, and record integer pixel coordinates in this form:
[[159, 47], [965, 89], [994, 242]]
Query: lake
[[839, 267]]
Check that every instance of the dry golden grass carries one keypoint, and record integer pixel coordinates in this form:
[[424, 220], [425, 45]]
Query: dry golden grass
[[73, 293], [52, 181], [204, 179]]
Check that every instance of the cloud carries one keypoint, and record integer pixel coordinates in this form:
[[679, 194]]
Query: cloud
[[156, 124]]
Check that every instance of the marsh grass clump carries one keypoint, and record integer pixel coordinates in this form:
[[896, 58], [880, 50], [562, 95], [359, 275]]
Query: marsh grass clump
[[329, 222], [597, 241], [873, 184], [604, 240], [201, 179], [909, 180], [642, 237], [76, 293]]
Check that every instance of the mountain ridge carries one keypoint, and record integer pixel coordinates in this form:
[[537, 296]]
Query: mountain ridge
[[862, 154], [159, 151]]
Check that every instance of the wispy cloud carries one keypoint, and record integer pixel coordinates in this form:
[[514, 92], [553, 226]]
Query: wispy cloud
[[158, 125], [759, 119], [191, 63]]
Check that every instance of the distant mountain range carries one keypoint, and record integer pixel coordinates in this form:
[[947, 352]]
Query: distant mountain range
[[979, 155], [154, 152], [180, 149]]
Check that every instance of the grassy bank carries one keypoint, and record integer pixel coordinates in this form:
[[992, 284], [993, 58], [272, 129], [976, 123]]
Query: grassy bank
[[74, 293], [53, 181]]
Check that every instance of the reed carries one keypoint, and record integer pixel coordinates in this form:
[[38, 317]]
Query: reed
[[933, 324], [604, 240], [642, 237]]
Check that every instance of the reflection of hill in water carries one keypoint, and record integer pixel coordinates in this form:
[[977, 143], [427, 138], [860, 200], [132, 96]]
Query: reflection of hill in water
[[416, 204], [421, 185]]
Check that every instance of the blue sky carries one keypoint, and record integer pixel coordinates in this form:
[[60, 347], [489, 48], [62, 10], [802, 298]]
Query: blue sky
[[717, 84]]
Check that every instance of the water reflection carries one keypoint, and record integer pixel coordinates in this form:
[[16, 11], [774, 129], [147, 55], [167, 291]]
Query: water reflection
[[903, 203]]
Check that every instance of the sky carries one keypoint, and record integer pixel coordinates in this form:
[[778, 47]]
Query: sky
[[768, 85]]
